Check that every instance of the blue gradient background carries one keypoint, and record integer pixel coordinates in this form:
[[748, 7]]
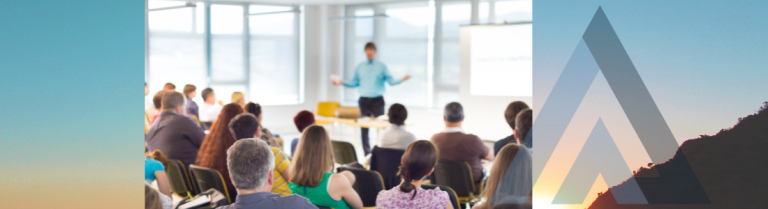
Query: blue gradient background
[[704, 62], [71, 80]]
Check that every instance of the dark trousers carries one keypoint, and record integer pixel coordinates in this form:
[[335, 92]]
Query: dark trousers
[[373, 107]]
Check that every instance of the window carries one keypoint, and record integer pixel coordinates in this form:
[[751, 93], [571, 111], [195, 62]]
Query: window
[[403, 48], [252, 48]]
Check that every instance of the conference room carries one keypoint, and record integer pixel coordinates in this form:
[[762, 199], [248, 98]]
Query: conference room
[[427, 100]]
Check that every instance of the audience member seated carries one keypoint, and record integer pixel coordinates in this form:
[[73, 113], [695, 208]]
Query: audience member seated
[[510, 114], [213, 151], [311, 176], [157, 103], [459, 146], [169, 87], [190, 91], [176, 135], [155, 200], [418, 162], [302, 120], [523, 125], [395, 136], [266, 135], [239, 99], [208, 110], [250, 163], [510, 181], [247, 126], [154, 169]]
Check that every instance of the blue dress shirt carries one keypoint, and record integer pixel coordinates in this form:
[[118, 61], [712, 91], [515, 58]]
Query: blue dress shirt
[[370, 77]]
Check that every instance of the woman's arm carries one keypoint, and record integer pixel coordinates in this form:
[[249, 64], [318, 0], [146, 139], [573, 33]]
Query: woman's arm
[[340, 187], [162, 183]]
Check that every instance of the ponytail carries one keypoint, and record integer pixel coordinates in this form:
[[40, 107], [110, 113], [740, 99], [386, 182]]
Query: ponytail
[[407, 186]]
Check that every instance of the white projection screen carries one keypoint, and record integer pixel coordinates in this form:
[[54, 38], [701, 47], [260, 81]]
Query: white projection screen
[[500, 60]]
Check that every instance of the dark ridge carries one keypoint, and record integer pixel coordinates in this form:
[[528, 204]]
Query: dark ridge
[[731, 171]]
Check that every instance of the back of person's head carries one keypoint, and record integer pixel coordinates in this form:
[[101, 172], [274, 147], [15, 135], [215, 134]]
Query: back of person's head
[[158, 98], [205, 93], [171, 100], [523, 123], [397, 114], [314, 155], [244, 125], [189, 88], [454, 112], [253, 108], [370, 45], [169, 86], [512, 110], [418, 161], [303, 119], [159, 156], [220, 129], [249, 162], [152, 198], [500, 165], [237, 96]]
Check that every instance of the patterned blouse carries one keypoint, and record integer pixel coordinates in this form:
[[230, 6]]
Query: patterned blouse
[[394, 198]]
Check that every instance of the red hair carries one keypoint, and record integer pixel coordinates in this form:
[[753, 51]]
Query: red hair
[[213, 151], [303, 120]]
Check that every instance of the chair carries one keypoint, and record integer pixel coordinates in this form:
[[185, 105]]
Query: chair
[[196, 120], [322, 207], [451, 194], [458, 176], [368, 184], [207, 178], [146, 124], [327, 109], [387, 163], [349, 112], [343, 152], [179, 180]]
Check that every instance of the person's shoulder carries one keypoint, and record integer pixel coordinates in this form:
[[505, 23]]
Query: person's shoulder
[[296, 201], [437, 193]]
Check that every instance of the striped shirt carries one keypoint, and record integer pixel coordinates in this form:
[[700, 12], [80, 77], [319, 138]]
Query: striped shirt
[[280, 185]]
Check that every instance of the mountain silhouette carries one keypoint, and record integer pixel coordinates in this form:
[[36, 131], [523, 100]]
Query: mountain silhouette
[[731, 168]]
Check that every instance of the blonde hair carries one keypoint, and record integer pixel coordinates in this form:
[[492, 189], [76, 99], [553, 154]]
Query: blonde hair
[[500, 165], [152, 198], [313, 157], [237, 96]]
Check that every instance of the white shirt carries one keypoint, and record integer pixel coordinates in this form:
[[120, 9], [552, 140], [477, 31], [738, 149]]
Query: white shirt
[[209, 112], [395, 137], [453, 129]]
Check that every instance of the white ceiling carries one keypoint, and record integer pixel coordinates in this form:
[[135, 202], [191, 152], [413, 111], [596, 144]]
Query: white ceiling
[[306, 2]]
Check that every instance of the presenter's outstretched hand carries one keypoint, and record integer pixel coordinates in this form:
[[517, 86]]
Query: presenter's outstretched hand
[[406, 77], [338, 82], [221, 103]]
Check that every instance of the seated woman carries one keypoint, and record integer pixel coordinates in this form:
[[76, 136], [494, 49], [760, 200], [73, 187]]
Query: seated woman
[[154, 169], [418, 162], [303, 119], [266, 135], [514, 161], [213, 151], [311, 175], [395, 136]]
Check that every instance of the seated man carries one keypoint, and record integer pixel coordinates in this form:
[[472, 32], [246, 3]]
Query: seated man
[[246, 125], [157, 103], [209, 111], [250, 164], [176, 135], [509, 114], [458, 146], [395, 136], [523, 124]]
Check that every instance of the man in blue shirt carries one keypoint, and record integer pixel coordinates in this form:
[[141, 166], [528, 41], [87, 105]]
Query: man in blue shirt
[[370, 77]]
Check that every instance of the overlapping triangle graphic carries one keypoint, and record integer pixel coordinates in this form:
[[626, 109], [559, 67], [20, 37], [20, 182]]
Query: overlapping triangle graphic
[[600, 50]]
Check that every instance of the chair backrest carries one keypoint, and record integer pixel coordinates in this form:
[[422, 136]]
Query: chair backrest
[[322, 207], [387, 163], [178, 179], [196, 120], [327, 109], [343, 152], [207, 178], [349, 112], [368, 184], [451, 194], [454, 174]]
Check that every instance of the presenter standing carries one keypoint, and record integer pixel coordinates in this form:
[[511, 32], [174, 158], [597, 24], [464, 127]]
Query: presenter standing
[[370, 77]]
